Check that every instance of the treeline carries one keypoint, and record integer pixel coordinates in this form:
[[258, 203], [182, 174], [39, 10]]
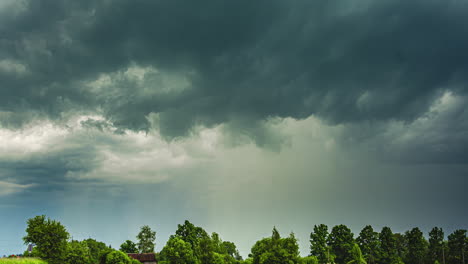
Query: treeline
[[191, 244], [386, 247]]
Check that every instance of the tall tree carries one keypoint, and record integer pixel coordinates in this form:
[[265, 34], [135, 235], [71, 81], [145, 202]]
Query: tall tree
[[193, 235], [129, 247], [276, 250], [341, 242], [368, 241], [436, 244], [456, 247], [318, 243], [417, 246], [78, 253], [388, 252], [146, 239], [401, 245], [50, 238], [177, 251], [96, 248], [356, 255]]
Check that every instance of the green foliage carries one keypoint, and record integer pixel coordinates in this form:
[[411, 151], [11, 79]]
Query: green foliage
[[368, 242], [50, 238], [247, 261], [193, 235], [388, 248], [401, 245], [276, 250], [341, 242], [230, 249], [96, 249], [356, 255], [457, 246], [78, 253], [309, 260], [417, 246], [177, 251], [33, 254], [118, 257], [21, 261], [146, 239], [318, 243], [134, 261], [103, 256], [436, 244], [129, 247]]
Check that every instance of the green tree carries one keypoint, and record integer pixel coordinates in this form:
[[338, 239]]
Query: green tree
[[417, 246], [193, 235], [231, 250], [118, 257], [96, 248], [318, 243], [388, 251], [177, 251], [456, 246], [401, 245], [436, 244], [146, 239], [78, 253], [341, 242], [356, 255], [129, 247], [276, 250], [50, 238], [368, 241], [309, 260]]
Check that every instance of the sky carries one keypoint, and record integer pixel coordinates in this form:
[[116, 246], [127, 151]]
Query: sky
[[236, 115]]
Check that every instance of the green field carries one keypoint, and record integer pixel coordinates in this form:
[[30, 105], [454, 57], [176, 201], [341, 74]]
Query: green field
[[21, 261]]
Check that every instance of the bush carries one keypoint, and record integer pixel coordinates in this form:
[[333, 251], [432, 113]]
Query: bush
[[118, 257], [135, 261]]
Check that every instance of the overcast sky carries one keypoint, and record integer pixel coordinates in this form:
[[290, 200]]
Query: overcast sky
[[236, 115]]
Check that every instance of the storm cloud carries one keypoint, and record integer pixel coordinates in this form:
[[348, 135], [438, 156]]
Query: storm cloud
[[212, 62]]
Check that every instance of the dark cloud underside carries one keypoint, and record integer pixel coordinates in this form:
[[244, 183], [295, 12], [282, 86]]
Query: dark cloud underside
[[249, 60]]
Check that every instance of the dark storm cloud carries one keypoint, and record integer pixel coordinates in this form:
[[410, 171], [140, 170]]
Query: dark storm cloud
[[245, 61]]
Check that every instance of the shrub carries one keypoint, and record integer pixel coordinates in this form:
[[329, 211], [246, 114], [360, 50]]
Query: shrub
[[118, 257]]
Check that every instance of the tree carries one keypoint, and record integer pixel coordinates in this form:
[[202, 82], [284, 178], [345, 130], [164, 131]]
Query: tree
[[401, 245], [310, 260], [341, 242], [417, 246], [177, 251], [276, 250], [146, 239], [50, 238], [193, 235], [231, 250], [456, 246], [388, 252], [368, 241], [118, 257], [78, 253], [356, 255], [436, 244], [318, 243], [96, 248], [129, 247]]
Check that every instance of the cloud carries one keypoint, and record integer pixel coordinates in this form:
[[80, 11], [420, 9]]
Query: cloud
[[342, 62], [7, 188]]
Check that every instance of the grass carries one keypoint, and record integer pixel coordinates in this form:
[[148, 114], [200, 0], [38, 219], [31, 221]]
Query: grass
[[21, 261]]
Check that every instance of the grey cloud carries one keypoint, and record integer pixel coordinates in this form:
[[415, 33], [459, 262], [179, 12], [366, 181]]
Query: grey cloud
[[244, 61]]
